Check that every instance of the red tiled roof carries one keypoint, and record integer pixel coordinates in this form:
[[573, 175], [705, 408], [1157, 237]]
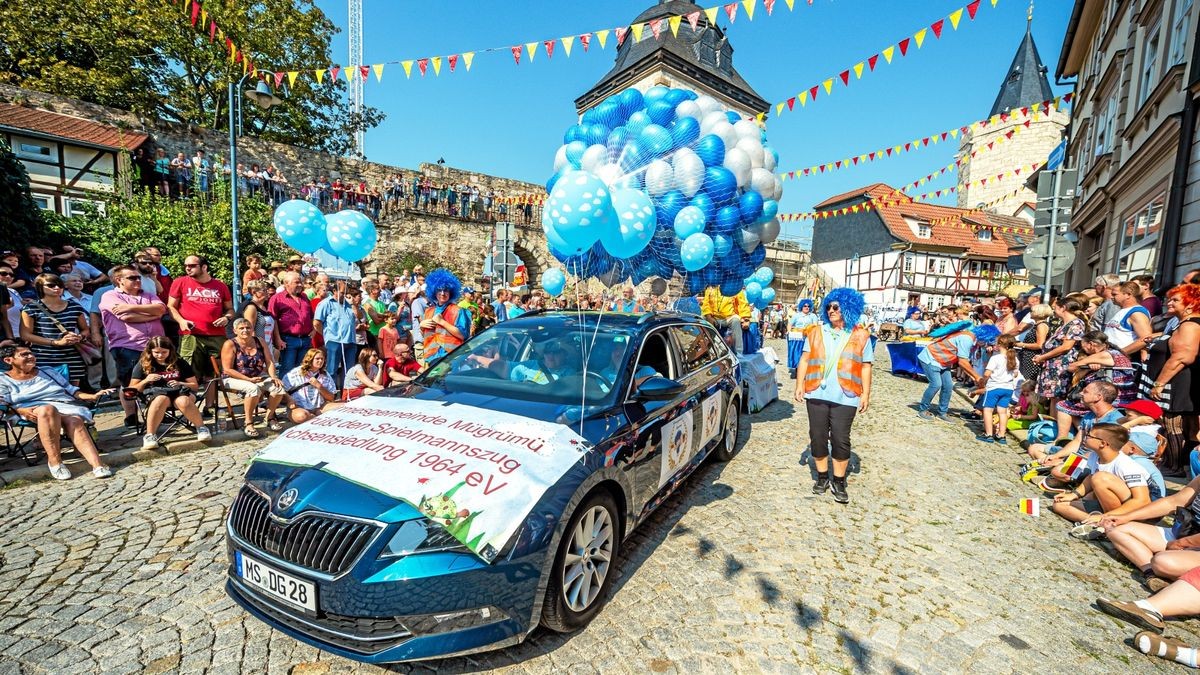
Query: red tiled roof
[[76, 129]]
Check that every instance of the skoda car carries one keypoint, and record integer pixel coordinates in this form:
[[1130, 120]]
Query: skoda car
[[366, 575]]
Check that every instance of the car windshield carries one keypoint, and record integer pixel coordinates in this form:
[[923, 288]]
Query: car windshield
[[550, 361]]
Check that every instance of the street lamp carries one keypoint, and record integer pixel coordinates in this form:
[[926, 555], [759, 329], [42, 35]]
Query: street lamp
[[265, 99]]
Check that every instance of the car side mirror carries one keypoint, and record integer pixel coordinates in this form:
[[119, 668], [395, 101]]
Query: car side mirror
[[658, 389]]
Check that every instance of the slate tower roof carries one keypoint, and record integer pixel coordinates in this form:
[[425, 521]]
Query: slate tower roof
[[703, 55], [1026, 82]]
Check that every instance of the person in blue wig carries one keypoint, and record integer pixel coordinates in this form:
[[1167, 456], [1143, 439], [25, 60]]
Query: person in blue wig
[[914, 326], [797, 324], [444, 325], [833, 380], [950, 349]]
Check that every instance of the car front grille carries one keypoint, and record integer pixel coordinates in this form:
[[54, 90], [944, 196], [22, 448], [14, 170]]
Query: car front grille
[[314, 541]]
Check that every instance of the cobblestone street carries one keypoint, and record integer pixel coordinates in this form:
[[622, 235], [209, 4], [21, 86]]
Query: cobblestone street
[[931, 568]]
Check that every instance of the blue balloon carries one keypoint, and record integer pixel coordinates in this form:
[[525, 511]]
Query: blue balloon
[[751, 206], [684, 131], [768, 296], [588, 116], [733, 117], [728, 219], [350, 235], [553, 281], [696, 251], [575, 150], [656, 139], [574, 133], [720, 184], [661, 112], [711, 150], [635, 224], [722, 245], [631, 101], [712, 276], [578, 210], [300, 225], [638, 121], [758, 255], [695, 283], [609, 114], [689, 221], [616, 142], [633, 155], [753, 291], [731, 287], [676, 96], [705, 203], [554, 179], [764, 276], [669, 206], [655, 93], [770, 209], [596, 133]]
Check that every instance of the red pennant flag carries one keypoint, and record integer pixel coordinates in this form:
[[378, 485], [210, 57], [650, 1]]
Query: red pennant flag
[[845, 75], [731, 11], [621, 34], [791, 103], [944, 134], [693, 19], [812, 93], [939, 192], [1066, 98], [1009, 134], [1003, 117], [806, 172], [453, 60], [656, 27], [963, 130], [278, 78], [889, 152], [871, 156], [838, 164], [1024, 111], [854, 160], [212, 31], [903, 45], [422, 65], [990, 144], [936, 26], [549, 48], [872, 61], [585, 40], [516, 52], [925, 142], [906, 146], [229, 45], [363, 70], [972, 8], [1017, 172], [770, 5], [822, 168], [333, 73], [791, 175], [195, 13], [1027, 122]]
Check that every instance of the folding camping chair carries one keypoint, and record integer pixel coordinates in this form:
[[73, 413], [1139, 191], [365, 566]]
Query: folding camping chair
[[172, 417], [20, 434], [232, 423]]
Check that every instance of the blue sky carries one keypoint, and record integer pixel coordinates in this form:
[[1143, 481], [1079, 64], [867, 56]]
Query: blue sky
[[508, 120]]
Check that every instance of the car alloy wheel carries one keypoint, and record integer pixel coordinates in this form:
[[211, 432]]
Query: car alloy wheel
[[582, 570], [729, 443]]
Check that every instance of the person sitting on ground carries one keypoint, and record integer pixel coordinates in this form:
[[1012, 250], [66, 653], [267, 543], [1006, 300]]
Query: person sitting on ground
[[365, 376], [1115, 485], [249, 369], [45, 397], [1176, 600], [166, 380], [1098, 397], [1028, 408], [402, 367], [312, 390]]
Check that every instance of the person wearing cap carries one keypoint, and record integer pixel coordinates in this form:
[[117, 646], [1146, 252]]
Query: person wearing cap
[[470, 302]]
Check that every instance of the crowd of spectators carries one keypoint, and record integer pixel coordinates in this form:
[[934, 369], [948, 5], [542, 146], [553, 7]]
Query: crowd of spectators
[[197, 176]]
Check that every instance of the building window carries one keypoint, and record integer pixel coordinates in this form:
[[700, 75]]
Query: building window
[[974, 268], [924, 231], [1105, 124], [908, 262], [1139, 238], [984, 235], [43, 202], [941, 267], [83, 207], [34, 150], [932, 266], [1179, 31], [1149, 73]]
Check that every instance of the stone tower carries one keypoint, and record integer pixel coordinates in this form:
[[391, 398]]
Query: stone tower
[[700, 60], [1025, 85]]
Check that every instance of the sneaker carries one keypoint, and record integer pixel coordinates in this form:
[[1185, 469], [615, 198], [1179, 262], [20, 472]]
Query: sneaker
[[60, 472], [925, 414], [131, 422], [1127, 611], [149, 442], [1002, 440], [821, 485], [1087, 532], [984, 438], [203, 434], [839, 490], [102, 472]]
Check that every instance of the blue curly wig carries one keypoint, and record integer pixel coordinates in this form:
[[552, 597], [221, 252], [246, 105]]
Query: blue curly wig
[[913, 310], [851, 302], [440, 279], [986, 334], [805, 302]]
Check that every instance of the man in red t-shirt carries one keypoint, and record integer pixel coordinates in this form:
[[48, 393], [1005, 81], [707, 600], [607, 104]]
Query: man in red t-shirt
[[401, 367], [201, 305]]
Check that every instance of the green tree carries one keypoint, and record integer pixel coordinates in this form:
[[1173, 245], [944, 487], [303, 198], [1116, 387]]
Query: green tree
[[144, 56], [23, 222]]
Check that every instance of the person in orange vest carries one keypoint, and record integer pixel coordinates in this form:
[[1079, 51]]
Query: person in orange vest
[[938, 359], [444, 325], [833, 380]]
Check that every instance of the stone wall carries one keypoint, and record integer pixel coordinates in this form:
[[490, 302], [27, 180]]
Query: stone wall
[[1032, 144]]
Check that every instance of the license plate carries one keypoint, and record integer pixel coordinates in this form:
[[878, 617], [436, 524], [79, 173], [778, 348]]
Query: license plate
[[276, 584]]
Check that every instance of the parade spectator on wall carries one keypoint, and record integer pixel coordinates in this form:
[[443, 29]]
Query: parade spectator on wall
[[1146, 296], [249, 370], [310, 387], [1104, 287], [1172, 374], [444, 325], [201, 305], [293, 320], [131, 318], [166, 380], [55, 328], [1098, 361], [1115, 483], [162, 172]]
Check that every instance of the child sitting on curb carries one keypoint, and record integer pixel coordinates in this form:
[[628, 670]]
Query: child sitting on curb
[[1115, 484]]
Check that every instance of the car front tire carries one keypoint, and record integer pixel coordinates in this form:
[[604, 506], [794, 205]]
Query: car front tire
[[584, 565], [729, 440]]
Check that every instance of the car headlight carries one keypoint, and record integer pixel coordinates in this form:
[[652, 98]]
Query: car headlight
[[421, 536]]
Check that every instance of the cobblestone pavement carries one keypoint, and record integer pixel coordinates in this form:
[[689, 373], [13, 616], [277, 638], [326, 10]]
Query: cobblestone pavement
[[930, 569]]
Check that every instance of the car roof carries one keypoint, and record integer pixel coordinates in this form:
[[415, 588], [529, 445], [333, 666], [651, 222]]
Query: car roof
[[632, 324]]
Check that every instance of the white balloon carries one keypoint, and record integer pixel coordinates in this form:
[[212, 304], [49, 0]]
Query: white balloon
[[660, 177], [725, 131], [762, 182], [753, 149], [738, 163], [709, 104], [593, 158], [768, 159], [689, 109], [747, 129], [711, 120], [778, 194], [609, 173], [769, 231], [689, 172], [749, 240], [560, 159]]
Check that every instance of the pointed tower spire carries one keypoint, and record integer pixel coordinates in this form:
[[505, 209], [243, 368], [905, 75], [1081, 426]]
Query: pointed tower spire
[[1027, 80]]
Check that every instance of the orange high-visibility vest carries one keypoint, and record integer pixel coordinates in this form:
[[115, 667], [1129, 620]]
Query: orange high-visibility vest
[[440, 338], [943, 352], [849, 365]]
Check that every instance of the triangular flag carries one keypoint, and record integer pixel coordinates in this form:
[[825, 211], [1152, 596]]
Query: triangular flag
[[349, 73], [409, 64], [812, 93], [422, 65], [657, 27], [919, 36], [437, 65], [333, 73], [694, 20], [770, 5], [903, 44], [779, 109], [585, 39], [845, 75], [637, 32], [567, 42], [212, 31], [531, 49], [195, 14], [549, 44], [955, 16], [731, 11], [378, 68], [363, 71], [603, 37], [292, 75], [887, 53], [621, 34], [320, 76], [858, 70], [516, 53], [972, 8], [749, 5], [791, 103], [790, 3], [872, 61], [468, 57], [994, 3], [711, 15], [937, 28], [674, 23], [278, 79], [803, 98]]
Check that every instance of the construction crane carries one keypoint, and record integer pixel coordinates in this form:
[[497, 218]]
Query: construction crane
[[356, 81]]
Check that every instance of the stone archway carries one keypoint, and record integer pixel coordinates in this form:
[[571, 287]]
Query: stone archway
[[529, 245]]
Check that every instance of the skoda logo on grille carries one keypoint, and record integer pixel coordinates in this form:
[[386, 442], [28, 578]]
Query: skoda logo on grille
[[286, 499]]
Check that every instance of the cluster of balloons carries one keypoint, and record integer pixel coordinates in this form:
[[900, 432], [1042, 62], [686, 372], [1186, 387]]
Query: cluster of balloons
[[758, 287], [663, 183], [348, 235]]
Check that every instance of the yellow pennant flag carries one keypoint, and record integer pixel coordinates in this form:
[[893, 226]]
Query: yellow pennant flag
[[994, 120], [749, 5], [292, 75], [637, 31], [954, 133], [320, 76], [567, 42], [602, 36], [887, 53], [761, 117], [858, 67], [468, 57], [203, 18], [803, 98], [934, 139], [350, 72], [437, 65], [919, 36], [407, 68], [674, 23], [955, 16], [779, 109], [711, 14], [378, 68], [531, 49], [828, 84], [790, 3], [993, 3], [897, 149], [187, 6]]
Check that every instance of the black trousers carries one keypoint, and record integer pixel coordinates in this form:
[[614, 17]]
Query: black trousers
[[829, 424]]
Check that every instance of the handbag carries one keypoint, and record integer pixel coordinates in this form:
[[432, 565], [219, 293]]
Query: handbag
[[90, 354]]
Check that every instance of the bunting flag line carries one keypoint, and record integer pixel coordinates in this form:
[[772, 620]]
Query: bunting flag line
[[1030, 113], [982, 210], [804, 97], [1032, 507]]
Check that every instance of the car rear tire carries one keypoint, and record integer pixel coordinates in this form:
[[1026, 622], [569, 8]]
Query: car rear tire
[[583, 569], [728, 447]]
